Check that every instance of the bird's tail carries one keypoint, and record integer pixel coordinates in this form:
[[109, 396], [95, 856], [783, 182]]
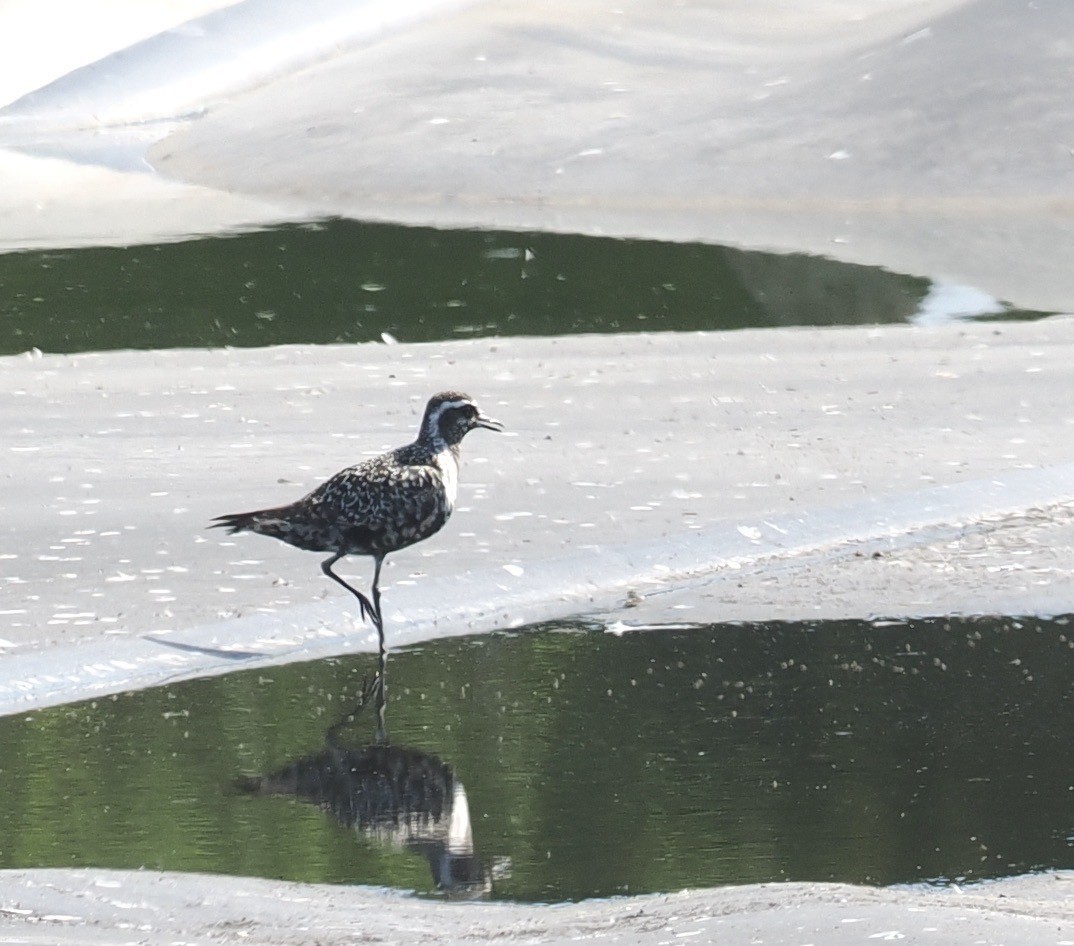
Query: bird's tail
[[265, 521]]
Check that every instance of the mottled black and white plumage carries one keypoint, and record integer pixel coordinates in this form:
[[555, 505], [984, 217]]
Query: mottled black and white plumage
[[380, 505]]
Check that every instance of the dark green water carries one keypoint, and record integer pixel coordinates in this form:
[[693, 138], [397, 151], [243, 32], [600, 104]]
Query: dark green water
[[342, 281], [592, 764]]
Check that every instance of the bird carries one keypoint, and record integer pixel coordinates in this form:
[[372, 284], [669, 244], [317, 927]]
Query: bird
[[380, 505]]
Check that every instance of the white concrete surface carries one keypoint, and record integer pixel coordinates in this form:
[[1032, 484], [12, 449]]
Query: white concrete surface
[[95, 907], [44, 40], [187, 67]]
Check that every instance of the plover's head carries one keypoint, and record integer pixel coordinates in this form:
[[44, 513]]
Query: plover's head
[[450, 416]]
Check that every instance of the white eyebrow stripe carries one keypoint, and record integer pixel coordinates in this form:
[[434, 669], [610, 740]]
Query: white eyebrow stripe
[[434, 419]]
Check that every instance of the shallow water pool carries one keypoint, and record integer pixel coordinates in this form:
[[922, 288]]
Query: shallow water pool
[[343, 281], [584, 764]]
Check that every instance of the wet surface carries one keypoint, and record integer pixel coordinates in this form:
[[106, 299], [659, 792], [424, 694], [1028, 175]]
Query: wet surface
[[341, 281], [588, 764]]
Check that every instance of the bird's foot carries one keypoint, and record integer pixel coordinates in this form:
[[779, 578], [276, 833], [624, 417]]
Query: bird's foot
[[367, 612]]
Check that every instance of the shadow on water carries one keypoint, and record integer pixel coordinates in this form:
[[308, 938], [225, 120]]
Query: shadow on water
[[594, 764], [342, 281]]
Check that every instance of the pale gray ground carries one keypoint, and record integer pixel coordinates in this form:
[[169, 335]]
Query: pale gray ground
[[931, 136], [97, 907], [116, 462]]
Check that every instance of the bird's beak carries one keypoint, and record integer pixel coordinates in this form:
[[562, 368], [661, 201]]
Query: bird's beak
[[488, 423]]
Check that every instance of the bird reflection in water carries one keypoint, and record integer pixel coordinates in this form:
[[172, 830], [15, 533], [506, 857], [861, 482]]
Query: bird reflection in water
[[401, 797]]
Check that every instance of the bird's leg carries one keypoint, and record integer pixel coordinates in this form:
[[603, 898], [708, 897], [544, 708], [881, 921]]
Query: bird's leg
[[367, 609], [382, 698], [372, 691], [379, 618]]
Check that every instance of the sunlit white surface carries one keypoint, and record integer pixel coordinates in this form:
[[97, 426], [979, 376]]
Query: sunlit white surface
[[43, 40], [186, 66], [949, 302]]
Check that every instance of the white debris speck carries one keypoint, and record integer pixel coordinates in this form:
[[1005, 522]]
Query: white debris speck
[[503, 252], [515, 570]]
